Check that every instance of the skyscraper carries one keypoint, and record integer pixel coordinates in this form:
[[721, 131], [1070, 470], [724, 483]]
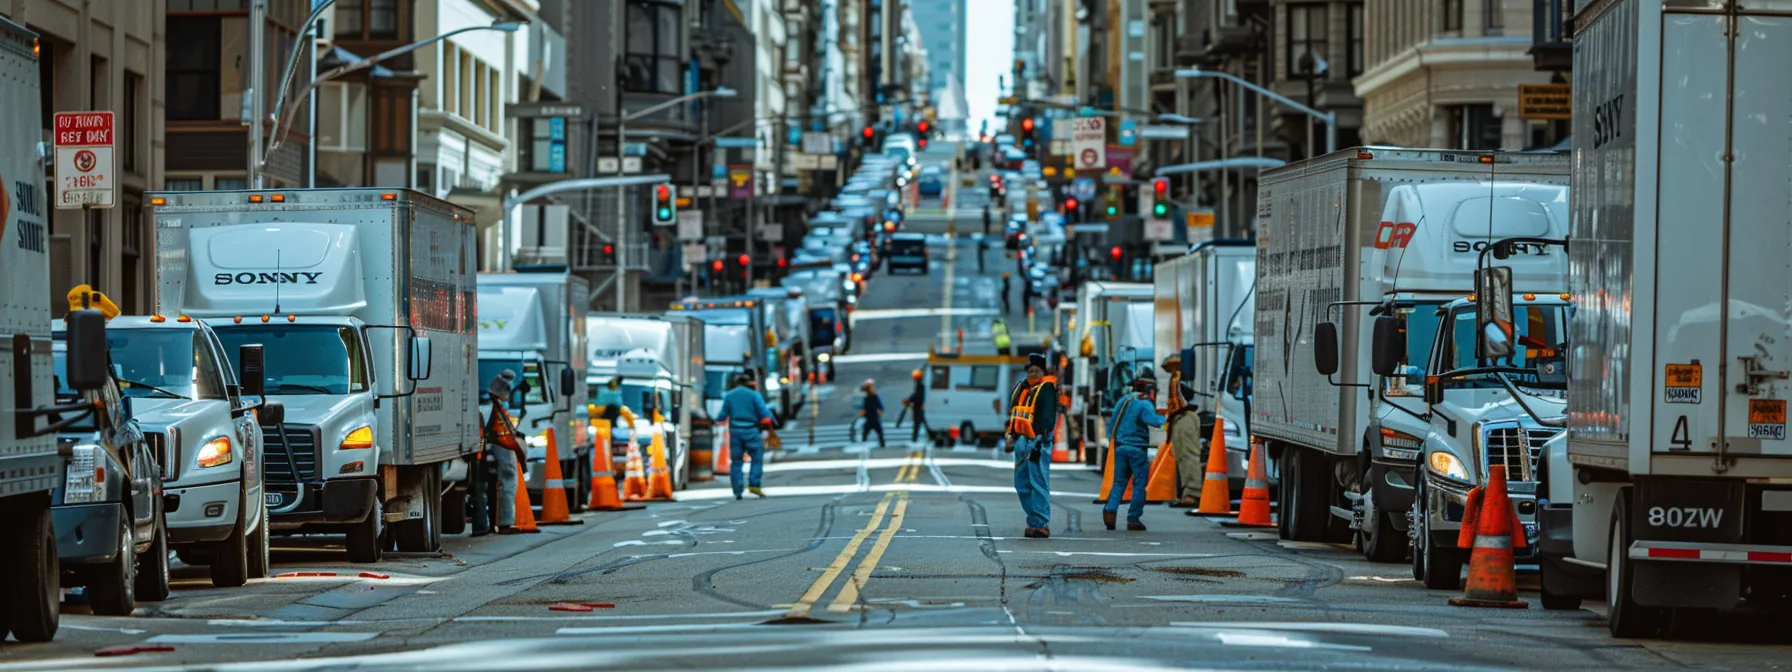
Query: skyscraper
[[943, 28]]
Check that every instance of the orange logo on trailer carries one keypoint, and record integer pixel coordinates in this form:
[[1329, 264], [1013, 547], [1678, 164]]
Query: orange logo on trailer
[[1393, 235]]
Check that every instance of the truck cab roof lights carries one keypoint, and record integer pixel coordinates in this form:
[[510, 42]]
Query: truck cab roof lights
[[1530, 297], [184, 319], [264, 319], [292, 318], [278, 198], [1364, 155], [256, 198], [157, 319], [158, 201], [389, 196]]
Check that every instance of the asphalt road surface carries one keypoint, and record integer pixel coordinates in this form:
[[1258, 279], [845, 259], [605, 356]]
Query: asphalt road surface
[[901, 558]]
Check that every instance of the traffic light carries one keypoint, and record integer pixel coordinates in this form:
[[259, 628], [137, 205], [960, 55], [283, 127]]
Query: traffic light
[[1160, 197], [1070, 208], [1026, 134], [1113, 207], [665, 210], [609, 254], [921, 143], [923, 126]]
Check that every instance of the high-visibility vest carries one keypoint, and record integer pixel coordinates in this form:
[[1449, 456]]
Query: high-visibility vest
[[1020, 419]]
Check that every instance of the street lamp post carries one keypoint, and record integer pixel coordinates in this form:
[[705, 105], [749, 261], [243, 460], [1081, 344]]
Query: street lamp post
[[622, 228], [1330, 119]]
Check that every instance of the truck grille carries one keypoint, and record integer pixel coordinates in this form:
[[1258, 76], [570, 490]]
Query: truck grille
[[1516, 448], [291, 456], [167, 458]]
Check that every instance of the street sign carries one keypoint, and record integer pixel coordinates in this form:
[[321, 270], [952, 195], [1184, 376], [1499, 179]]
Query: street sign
[[694, 254], [631, 164], [690, 225], [816, 142], [1200, 225], [1545, 101], [737, 143], [740, 181], [1089, 142], [705, 191], [608, 164], [1128, 132], [1158, 230], [84, 176], [1163, 132], [771, 231], [805, 161], [829, 162]]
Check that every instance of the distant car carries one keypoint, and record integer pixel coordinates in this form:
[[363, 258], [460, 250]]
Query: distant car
[[932, 183], [908, 251]]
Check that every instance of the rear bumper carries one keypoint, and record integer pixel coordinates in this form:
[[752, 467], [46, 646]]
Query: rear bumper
[[87, 534]]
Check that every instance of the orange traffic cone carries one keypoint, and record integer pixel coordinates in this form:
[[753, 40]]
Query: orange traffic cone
[[659, 477], [703, 462], [1253, 506], [634, 480], [604, 495], [1162, 486], [525, 518], [1490, 526], [1060, 443], [1216, 495], [723, 462], [554, 510], [1107, 479]]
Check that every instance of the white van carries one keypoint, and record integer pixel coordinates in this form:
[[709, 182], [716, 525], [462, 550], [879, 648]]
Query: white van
[[970, 393]]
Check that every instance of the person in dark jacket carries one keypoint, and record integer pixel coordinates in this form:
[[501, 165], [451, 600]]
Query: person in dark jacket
[[1134, 416], [873, 413], [1032, 414], [917, 407]]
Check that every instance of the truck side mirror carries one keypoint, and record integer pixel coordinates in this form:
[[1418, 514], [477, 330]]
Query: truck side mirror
[[252, 370], [87, 350], [271, 413], [420, 358], [566, 382], [1493, 312], [1389, 346], [1434, 392], [1325, 348]]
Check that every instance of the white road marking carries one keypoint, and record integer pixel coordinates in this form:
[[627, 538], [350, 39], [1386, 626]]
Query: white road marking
[[885, 357], [1220, 598], [128, 631], [265, 638], [1344, 628], [622, 617], [1281, 642]]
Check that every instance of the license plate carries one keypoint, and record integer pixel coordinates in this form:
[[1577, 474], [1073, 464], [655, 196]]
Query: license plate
[[273, 498]]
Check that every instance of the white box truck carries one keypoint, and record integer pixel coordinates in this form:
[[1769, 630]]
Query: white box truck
[[1205, 310], [735, 340], [532, 323], [1112, 340], [659, 359], [351, 292], [1363, 233], [30, 468], [1681, 483]]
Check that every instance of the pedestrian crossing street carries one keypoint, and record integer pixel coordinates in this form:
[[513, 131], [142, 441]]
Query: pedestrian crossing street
[[845, 437]]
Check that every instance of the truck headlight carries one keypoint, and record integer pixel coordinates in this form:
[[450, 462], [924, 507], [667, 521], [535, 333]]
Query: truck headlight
[[86, 480], [1400, 445], [215, 453], [362, 437], [1446, 465], [537, 441]]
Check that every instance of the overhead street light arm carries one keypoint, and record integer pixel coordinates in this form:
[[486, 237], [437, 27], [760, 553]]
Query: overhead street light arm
[[720, 92], [1330, 119], [576, 185]]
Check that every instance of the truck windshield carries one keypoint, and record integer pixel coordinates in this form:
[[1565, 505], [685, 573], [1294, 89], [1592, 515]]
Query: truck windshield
[[529, 372], [821, 325], [1540, 345], [1419, 320], [319, 359], [716, 383], [165, 363], [639, 397]]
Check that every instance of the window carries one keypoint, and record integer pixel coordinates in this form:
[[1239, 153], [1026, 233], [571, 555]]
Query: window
[[1475, 127], [184, 184], [654, 48], [1452, 16], [382, 19], [367, 19], [1306, 35], [982, 378], [127, 131], [230, 183], [342, 117], [1353, 65], [192, 61], [1493, 16], [131, 250], [546, 150]]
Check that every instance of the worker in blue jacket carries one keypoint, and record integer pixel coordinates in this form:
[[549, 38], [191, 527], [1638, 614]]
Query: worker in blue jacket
[[744, 413], [1134, 416]]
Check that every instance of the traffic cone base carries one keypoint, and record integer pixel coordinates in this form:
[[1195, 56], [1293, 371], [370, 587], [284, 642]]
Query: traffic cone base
[[1253, 507], [525, 518], [659, 476], [1216, 497], [554, 510], [604, 496], [1491, 525], [634, 480], [1060, 443], [1162, 485]]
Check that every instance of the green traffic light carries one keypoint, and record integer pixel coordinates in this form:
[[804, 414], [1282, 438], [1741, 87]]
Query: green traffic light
[[1113, 211], [665, 213], [1161, 209]]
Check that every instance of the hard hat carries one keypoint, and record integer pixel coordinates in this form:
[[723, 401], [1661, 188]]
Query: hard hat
[[1005, 276], [916, 374]]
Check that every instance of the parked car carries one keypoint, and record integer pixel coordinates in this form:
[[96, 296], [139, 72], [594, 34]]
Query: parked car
[[908, 251], [932, 183]]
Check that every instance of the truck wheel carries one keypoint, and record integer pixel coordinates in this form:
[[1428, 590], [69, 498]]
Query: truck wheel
[[112, 587], [364, 538], [260, 565], [1380, 540], [1626, 618], [230, 557], [454, 512], [423, 535], [1437, 567], [967, 434], [30, 573], [152, 568]]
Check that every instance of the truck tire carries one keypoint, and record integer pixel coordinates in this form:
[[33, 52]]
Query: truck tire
[[30, 573], [152, 565], [1380, 540], [112, 587], [230, 557], [1309, 513], [1437, 567], [423, 535], [260, 565], [1626, 618], [364, 539]]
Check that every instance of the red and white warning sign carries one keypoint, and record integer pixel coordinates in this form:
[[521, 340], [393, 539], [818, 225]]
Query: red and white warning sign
[[84, 177]]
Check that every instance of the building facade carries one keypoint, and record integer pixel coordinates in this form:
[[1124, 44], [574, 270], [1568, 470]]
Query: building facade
[[943, 26], [1446, 73], [107, 56]]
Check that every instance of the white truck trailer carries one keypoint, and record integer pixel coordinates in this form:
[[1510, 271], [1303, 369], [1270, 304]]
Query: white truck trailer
[[1205, 310], [30, 468], [1357, 234], [1113, 339], [1681, 465], [351, 292], [532, 322], [660, 360]]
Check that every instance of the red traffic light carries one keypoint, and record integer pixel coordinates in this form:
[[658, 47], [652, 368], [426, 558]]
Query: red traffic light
[[867, 132], [663, 192], [921, 143], [609, 250], [716, 265], [744, 260], [923, 126], [1160, 185], [1070, 204], [1026, 124], [782, 262], [1115, 252]]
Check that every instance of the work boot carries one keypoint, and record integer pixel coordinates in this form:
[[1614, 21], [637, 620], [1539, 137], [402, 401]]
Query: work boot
[[1107, 518], [757, 492], [737, 496], [1135, 526], [1038, 533]]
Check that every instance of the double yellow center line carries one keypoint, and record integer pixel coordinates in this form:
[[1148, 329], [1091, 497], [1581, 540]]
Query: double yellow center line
[[849, 593]]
